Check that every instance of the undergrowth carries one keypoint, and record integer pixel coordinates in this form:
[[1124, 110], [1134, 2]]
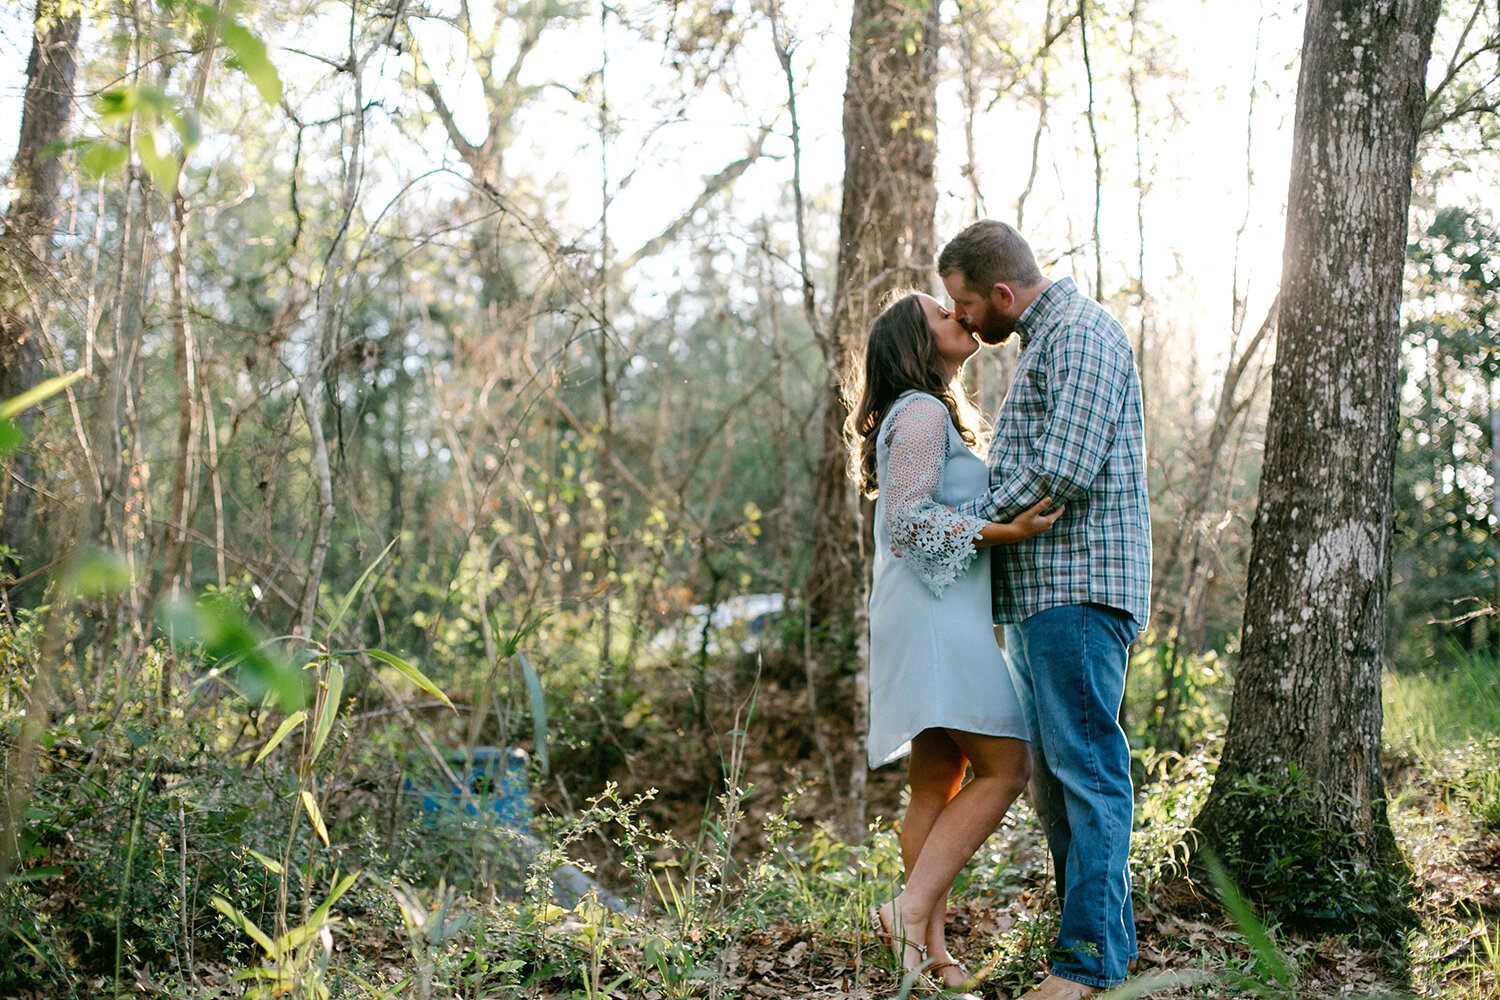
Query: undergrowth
[[206, 844]]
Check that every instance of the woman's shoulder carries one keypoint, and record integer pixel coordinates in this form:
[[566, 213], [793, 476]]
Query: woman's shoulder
[[917, 398], [914, 402], [913, 410]]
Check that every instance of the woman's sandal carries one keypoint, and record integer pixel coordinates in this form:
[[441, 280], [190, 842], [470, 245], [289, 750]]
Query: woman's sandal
[[962, 987], [966, 982], [887, 938], [879, 929]]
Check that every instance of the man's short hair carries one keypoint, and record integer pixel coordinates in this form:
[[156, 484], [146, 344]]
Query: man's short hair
[[988, 252]]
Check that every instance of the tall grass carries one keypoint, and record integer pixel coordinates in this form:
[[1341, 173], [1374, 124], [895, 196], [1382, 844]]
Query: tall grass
[[1453, 702]]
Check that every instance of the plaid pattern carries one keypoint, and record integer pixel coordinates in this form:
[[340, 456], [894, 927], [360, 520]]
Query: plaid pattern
[[1071, 428]]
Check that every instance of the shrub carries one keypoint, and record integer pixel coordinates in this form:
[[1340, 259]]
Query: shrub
[[1310, 875]]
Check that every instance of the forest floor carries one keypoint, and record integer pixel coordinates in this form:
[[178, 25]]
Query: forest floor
[[742, 889], [1189, 946], [1001, 918]]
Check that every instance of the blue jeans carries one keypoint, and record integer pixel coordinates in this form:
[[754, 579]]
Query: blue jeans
[[1068, 664]]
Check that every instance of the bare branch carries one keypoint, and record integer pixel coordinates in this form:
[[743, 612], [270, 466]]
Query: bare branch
[[809, 295], [711, 186]]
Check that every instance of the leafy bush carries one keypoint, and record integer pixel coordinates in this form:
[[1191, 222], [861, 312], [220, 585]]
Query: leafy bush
[[1286, 860], [1166, 806], [1484, 797], [1173, 701]]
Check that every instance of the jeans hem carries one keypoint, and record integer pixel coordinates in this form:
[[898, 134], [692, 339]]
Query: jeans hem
[[1085, 978]]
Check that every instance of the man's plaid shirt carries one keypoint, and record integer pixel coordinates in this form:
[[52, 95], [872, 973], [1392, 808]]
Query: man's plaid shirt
[[1071, 428]]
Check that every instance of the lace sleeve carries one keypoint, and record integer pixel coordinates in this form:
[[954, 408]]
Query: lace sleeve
[[936, 542]]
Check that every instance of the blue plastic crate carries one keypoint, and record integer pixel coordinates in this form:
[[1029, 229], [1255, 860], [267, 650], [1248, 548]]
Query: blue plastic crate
[[497, 789]]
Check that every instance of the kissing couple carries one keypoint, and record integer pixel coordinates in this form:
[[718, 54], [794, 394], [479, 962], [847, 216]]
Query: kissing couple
[[1048, 540]]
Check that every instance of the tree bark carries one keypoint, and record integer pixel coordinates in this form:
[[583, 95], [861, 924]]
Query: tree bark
[[176, 546], [36, 176], [885, 240], [1495, 484], [1307, 697]]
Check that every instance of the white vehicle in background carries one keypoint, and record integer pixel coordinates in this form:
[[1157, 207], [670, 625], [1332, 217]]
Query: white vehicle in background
[[738, 622]]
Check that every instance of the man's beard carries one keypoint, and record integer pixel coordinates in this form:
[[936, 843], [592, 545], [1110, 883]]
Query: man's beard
[[993, 333]]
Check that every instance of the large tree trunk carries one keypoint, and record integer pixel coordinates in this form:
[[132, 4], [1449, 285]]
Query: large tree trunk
[[885, 240], [36, 176], [1307, 698]]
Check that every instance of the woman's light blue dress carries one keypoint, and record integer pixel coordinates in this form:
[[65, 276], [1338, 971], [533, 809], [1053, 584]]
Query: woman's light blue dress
[[933, 657]]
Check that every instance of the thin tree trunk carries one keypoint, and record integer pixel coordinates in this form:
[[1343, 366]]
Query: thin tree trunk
[[176, 551], [119, 524], [1193, 527], [974, 203], [606, 385], [310, 368], [321, 344], [175, 555], [36, 178], [1307, 697], [216, 488], [821, 336], [1230, 404], [1041, 125], [1088, 71], [1141, 187]]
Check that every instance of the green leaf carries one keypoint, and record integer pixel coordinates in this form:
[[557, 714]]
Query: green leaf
[[340, 886], [162, 166], [315, 814], [45, 389], [121, 104], [291, 722], [538, 711], [11, 436], [250, 56], [297, 937], [101, 572], [102, 157], [411, 673], [243, 922], [359, 585], [231, 643], [37, 874], [272, 865], [335, 688], [117, 105], [1254, 931]]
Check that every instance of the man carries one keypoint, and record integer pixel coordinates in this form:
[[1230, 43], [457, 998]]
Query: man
[[1071, 599]]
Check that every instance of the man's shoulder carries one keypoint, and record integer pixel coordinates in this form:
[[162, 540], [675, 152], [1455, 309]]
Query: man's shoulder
[[1088, 326], [1089, 313], [1068, 306]]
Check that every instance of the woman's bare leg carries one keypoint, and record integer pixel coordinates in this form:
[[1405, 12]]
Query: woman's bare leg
[[945, 841], [935, 771]]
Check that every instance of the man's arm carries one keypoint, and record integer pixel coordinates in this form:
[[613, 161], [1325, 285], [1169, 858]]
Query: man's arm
[[1088, 377]]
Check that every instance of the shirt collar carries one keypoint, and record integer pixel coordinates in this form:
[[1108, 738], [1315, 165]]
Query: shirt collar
[[1046, 311]]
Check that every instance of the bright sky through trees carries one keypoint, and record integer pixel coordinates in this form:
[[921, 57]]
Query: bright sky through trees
[[1195, 114]]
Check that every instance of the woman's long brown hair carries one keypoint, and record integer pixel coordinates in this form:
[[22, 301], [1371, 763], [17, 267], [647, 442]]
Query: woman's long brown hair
[[900, 355]]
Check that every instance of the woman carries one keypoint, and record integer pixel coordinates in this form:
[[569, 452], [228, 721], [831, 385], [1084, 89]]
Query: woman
[[939, 687]]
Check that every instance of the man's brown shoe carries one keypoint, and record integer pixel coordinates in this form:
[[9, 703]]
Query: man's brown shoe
[[1058, 988]]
